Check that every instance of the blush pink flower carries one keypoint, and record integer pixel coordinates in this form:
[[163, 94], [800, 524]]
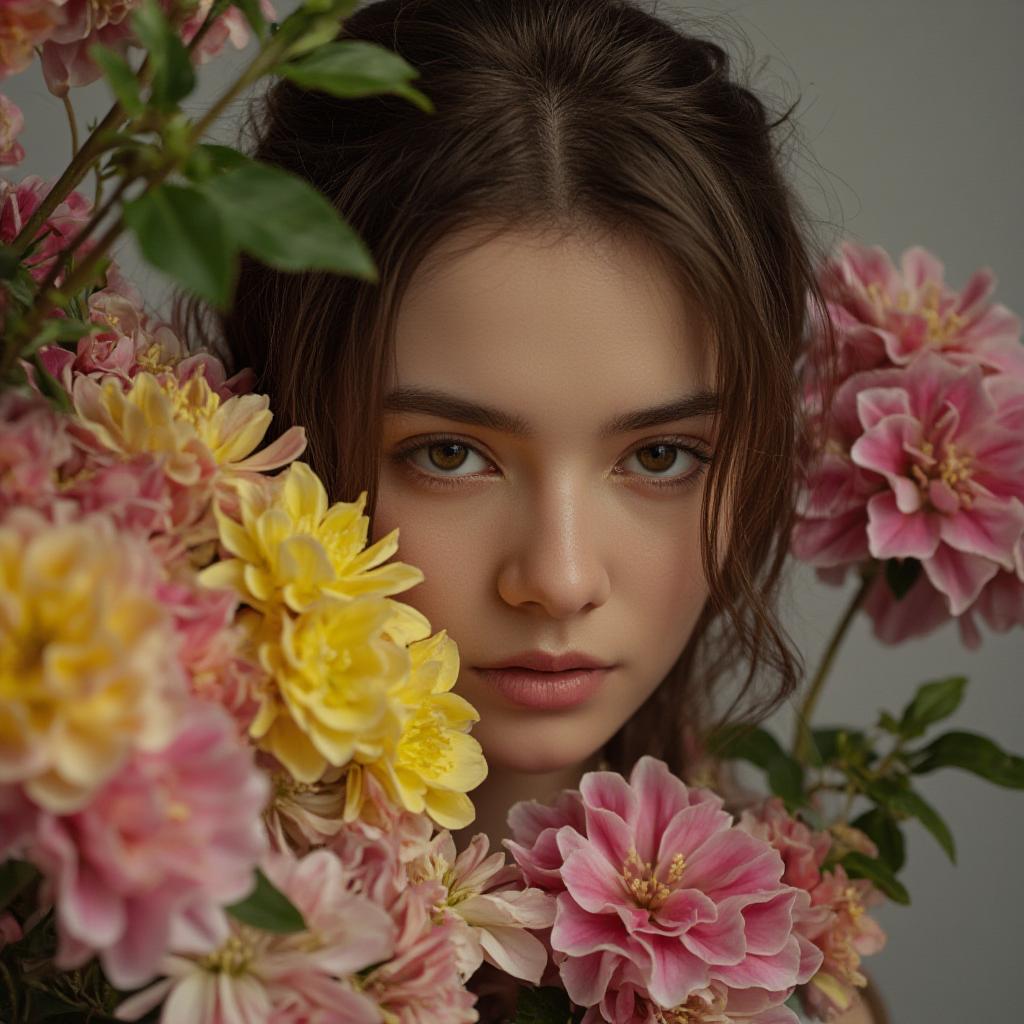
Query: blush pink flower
[[24, 25], [924, 462], [19, 202], [802, 849], [492, 910], [886, 316], [231, 27], [11, 123], [160, 849], [305, 977], [658, 889], [34, 445]]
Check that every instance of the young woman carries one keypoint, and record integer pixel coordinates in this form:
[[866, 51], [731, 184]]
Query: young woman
[[573, 388]]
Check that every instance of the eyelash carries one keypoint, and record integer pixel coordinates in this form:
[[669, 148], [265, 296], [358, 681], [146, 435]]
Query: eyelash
[[403, 457]]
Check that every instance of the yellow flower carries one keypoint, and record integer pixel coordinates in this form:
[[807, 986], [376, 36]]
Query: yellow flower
[[332, 670], [88, 665], [291, 547], [187, 422], [433, 761]]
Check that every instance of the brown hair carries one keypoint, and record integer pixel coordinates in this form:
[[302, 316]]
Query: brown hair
[[568, 115]]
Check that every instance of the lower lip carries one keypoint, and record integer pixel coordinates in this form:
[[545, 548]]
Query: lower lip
[[545, 691]]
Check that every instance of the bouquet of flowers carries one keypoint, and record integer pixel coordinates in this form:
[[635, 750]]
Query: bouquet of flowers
[[231, 760]]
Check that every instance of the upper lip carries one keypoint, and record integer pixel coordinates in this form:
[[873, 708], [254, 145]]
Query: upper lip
[[541, 661]]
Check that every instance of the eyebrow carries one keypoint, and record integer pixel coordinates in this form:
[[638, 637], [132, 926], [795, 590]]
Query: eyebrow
[[452, 407]]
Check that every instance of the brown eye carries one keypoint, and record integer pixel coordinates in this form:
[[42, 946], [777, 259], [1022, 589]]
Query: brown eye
[[447, 455], [660, 457]]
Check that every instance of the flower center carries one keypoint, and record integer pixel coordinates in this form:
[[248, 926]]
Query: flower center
[[642, 882], [233, 958], [941, 326], [425, 746], [953, 469]]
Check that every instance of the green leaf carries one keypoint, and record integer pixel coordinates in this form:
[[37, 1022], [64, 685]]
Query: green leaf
[[355, 68], [181, 231], [268, 909], [9, 262], [15, 876], [858, 865], [759, 747], [932, 702], [913, 804], [888, 723], [543, 1006], [832, 743], [972, 753], [886, 834], [120, 77], [901, 574], [173, 75], [283, 221]]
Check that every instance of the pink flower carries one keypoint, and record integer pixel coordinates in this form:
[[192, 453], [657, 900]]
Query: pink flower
[[886, 316], [34, 445], [10, 930], [300, 978], [848, 934], [24, 25], [658, 890], [167, 842], [18, 203], [11, 122], [802, 849], [924, 462], [491, 909], [231, 25]]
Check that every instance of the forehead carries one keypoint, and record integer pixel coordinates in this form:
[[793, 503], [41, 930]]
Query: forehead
[[562, 330]]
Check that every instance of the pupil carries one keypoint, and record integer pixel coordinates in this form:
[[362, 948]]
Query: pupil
[[666, 460], [448, 461]]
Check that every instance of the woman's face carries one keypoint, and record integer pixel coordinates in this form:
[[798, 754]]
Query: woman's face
[[571, 532]]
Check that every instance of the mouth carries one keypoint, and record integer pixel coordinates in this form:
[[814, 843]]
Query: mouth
[[546, 691]]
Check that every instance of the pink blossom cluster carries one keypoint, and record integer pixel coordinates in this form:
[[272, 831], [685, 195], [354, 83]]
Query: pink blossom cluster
[[66, 29], [11, 123], [836, 920], [664, 910], [921, 454]]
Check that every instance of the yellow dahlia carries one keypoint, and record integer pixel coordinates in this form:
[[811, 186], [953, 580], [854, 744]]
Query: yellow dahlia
[[88, 660], [332, 671], [432, 761], [291, 547], [185, 421]]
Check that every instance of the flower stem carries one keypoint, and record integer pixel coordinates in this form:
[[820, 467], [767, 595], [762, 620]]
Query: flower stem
[[803, 741], [72, 124]]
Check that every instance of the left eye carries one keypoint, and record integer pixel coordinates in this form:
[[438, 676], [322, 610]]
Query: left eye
[[659, 458]]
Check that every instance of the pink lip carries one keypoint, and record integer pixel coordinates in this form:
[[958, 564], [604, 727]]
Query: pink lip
[[541, 661], [545, 691]]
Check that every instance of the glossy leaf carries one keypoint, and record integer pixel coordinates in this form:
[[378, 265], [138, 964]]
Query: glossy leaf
[[760, 748], [180, 230], [268, 909], [173, 75], [284, 222], [120, 77], [882, 829], [354, 68], [859, 865], [972, 753], [932, 703], [913, 804]]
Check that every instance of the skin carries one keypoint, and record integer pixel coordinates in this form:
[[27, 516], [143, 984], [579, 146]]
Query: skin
[[562, 539], [557, 540]]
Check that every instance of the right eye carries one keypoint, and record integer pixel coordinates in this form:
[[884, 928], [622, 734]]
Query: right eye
[[437, 458]]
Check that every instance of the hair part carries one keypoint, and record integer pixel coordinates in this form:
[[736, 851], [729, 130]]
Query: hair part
[[570, 117]]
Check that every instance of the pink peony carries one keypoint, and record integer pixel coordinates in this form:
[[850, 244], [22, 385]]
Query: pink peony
[[34, 445], [300, 978], [923, 462], [168, 841], [18, 203], [489, 905], [658, 892], [11, 122], [24, 25], [887, 317]]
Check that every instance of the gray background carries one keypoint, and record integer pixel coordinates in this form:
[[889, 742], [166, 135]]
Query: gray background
[[911, 134]]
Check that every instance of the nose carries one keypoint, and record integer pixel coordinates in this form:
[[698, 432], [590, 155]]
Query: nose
[[555, 559]]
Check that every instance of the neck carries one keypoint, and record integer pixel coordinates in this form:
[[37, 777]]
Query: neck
[[503, 787]]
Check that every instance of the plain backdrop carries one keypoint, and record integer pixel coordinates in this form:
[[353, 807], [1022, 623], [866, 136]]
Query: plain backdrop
[[910, 118]]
